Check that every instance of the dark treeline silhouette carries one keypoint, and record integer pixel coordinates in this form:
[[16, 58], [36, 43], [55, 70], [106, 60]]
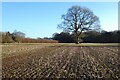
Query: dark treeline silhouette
[[63, 37], [89, 37], [19, 37]]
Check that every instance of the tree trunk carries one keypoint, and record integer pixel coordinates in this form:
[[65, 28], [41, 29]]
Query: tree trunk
[[78, 40]]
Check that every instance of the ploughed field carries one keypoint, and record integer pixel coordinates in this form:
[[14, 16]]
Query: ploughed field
[[54, 61]]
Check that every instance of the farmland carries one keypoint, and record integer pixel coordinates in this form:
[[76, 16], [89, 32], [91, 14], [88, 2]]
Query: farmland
[[60, 61]]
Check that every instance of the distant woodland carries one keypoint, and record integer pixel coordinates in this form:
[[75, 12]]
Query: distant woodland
[[63, 37], [19, 37], [89, 37]]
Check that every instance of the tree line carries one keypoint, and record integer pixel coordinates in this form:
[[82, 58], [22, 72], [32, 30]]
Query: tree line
[[19, 37], [89, 37], [63, 37]]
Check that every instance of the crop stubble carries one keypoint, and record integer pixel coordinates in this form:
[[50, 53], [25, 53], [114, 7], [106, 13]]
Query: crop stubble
[[63, 62]]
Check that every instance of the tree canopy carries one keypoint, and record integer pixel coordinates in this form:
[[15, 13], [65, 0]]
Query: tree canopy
[[79, 19]]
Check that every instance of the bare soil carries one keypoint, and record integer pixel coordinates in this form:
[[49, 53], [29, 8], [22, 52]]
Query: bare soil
[[62, 62]]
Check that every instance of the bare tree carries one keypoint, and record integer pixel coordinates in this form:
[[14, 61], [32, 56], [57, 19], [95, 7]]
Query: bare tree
[[79, 19], [18, 36]]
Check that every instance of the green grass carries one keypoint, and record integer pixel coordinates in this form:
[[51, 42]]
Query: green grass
[[67, 44], [90, 44]]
